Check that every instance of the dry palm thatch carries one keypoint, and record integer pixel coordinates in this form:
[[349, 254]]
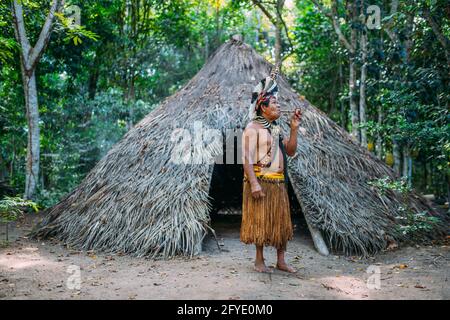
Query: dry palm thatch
[[136, 201]]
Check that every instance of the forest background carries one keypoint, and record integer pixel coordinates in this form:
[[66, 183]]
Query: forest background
[[75, 76]]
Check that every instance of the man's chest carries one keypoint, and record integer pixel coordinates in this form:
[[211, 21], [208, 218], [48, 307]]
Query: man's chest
[[265, 140]]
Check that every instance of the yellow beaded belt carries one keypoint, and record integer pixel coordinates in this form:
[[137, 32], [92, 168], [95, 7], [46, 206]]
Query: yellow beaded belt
[[267, 176]]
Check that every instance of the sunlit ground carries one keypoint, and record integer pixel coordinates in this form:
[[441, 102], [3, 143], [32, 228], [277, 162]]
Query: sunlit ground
[[49, 271]]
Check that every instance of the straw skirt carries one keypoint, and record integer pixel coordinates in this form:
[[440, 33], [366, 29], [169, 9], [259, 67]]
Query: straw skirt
[[267, 220]]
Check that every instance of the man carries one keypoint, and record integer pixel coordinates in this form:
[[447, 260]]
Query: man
[[266, 218]]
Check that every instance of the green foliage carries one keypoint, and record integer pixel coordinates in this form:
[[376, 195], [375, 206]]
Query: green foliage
[[319, 58], [75, 32], [385, 183], [98, 79], [411, 222], [407, 81], [7, 46], [11, 208]]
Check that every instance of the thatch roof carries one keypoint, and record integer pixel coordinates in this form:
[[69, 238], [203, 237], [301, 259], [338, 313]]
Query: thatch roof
[[136, 201]]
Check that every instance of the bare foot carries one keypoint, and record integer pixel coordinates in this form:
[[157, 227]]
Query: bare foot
[[285, 267], [261, 267]]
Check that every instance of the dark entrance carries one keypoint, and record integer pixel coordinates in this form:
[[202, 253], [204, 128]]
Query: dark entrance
[[226, 199]]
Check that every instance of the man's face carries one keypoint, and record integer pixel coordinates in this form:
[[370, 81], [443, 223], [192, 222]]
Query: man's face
[[272, 111]]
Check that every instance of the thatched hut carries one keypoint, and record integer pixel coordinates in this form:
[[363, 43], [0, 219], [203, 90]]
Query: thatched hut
[[137, 201]]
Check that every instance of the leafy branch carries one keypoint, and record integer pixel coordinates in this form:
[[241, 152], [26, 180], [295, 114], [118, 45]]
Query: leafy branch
[[11, 208], [385, 184], [75, 32]]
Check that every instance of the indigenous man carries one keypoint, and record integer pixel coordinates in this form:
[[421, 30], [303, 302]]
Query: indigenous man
[[266, 218]]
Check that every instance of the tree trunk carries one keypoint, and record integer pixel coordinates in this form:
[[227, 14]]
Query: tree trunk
[[3, 169], [407, 161], [277, 22], [443, 40], [448, 186], [343, 109], [93, 77], [218, 27], [362, 89], [379, 142], [29, 58], [130, 100], [258, 26], [206, 49], [33, 145], [424, 176], [277, 44], [407, 165], [278, 28], [352, 80], [11, 170], [380, 109], [397, 157], [429, 175], [353, 105], [343, 115]]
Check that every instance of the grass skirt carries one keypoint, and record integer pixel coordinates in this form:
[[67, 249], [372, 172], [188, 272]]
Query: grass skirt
[[266, 221]]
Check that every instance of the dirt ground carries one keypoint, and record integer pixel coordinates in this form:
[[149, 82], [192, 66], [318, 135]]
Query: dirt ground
[[46, 270]]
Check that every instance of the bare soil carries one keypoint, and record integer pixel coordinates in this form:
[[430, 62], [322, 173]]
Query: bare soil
[[45, 270]]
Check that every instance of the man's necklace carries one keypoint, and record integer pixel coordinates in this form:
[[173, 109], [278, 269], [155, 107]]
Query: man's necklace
[[273, 127], [274, 130], [263, 121]]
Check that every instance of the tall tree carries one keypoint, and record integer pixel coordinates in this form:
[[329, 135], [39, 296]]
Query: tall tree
[[403, 43], [274, 12], [29, 59], [443, 40], [351, 46], [363, 41]]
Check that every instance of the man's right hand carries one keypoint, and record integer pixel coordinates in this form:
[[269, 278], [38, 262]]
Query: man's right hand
[[257, 191]]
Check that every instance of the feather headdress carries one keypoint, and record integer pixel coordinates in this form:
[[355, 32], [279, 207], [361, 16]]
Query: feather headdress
[[266, 88]]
